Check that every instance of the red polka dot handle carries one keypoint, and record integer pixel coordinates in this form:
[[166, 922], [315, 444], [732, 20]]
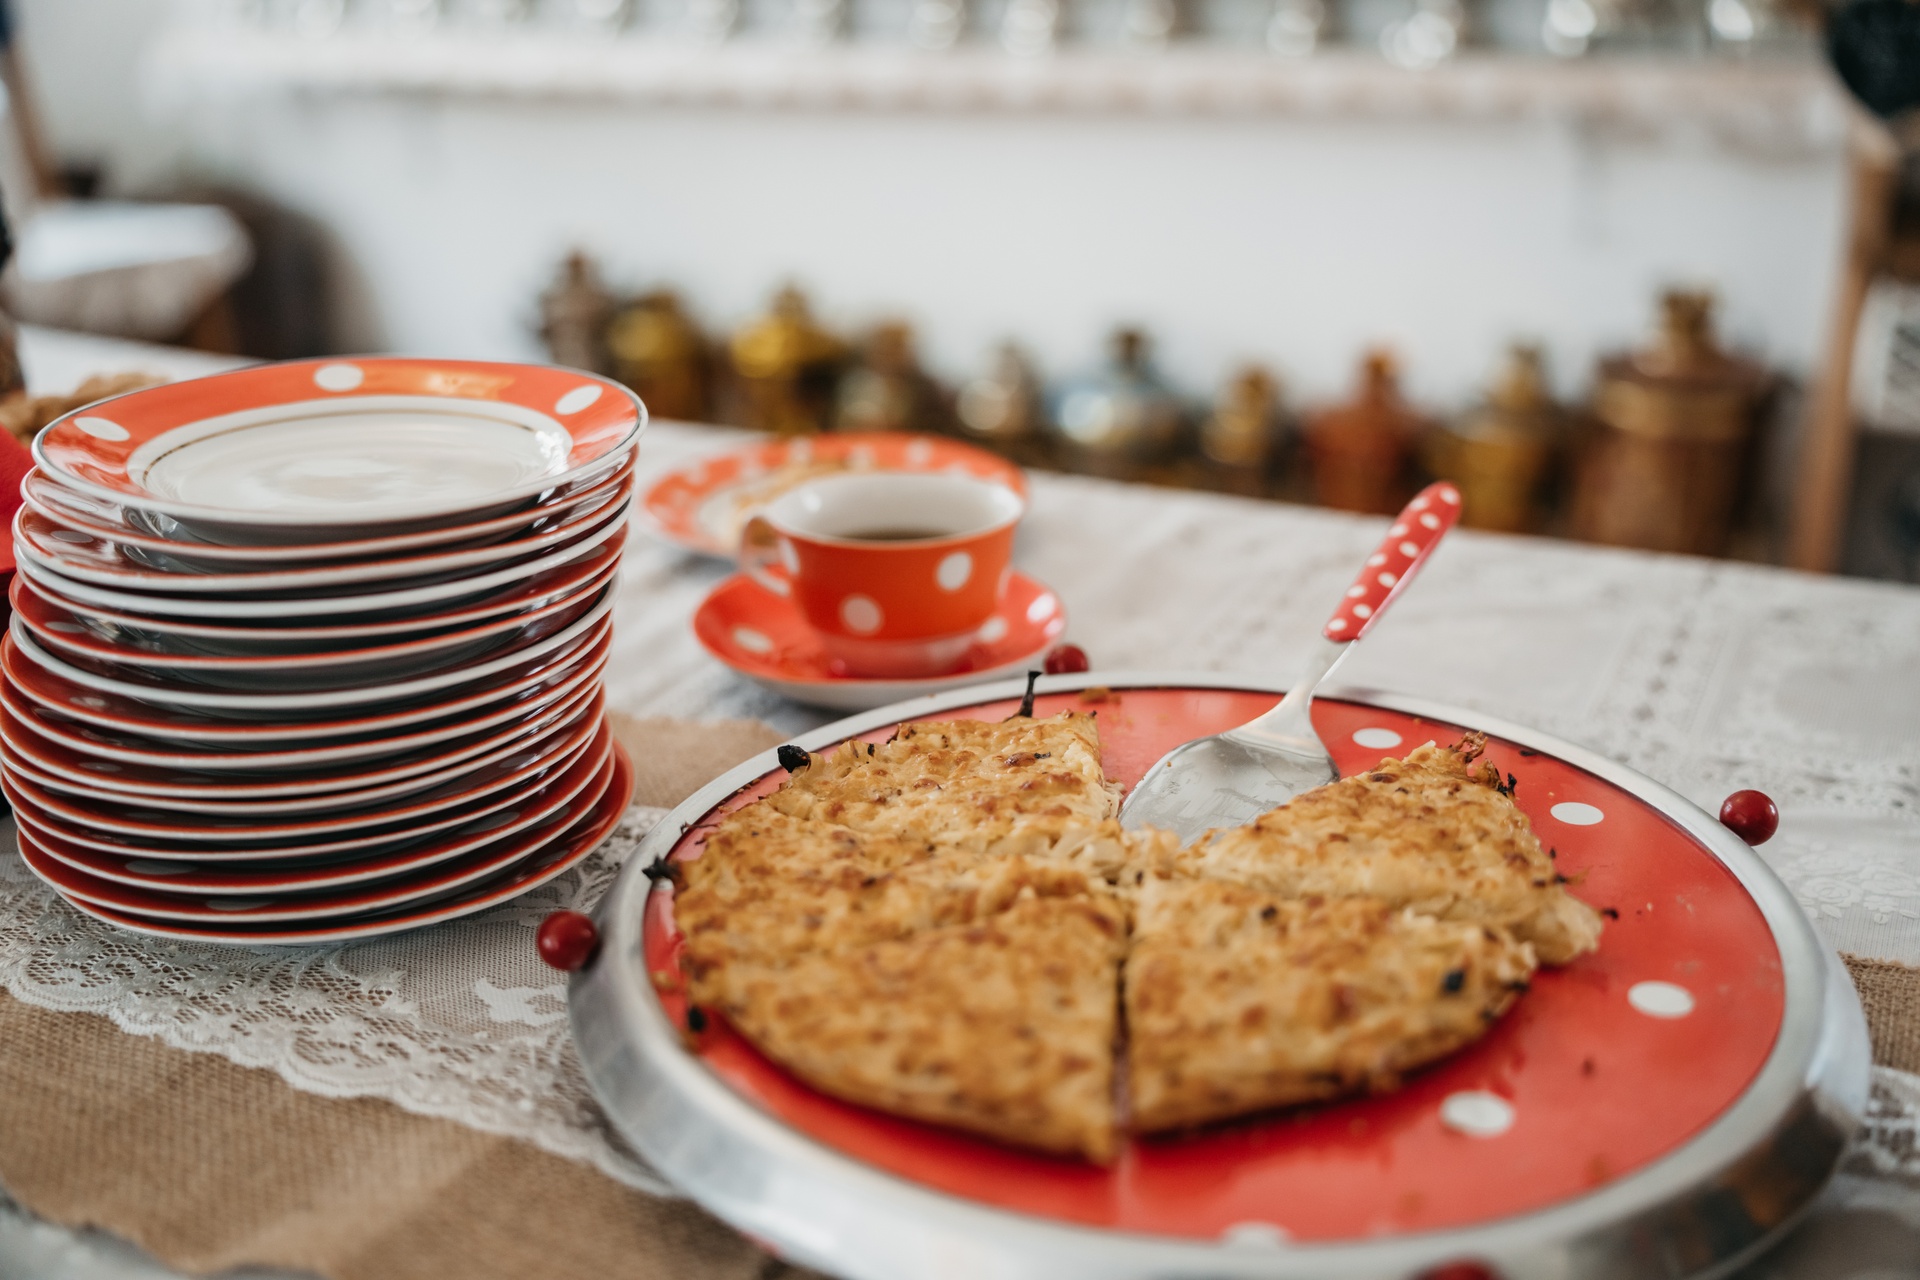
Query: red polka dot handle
[[1415, 533]]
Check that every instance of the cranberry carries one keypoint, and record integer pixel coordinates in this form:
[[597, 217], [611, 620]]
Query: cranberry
[[567, 940], [1751, 816], [1065, 659]]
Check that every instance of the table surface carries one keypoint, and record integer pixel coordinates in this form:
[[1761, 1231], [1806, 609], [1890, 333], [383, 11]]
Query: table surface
[[1707, 675]]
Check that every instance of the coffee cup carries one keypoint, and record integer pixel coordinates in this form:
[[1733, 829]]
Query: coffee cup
[[896, 572]]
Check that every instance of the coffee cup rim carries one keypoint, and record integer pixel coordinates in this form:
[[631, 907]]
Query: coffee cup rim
[[1017, 501]]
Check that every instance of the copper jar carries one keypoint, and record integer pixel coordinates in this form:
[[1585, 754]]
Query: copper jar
[[1664, 461], [1358, 451]]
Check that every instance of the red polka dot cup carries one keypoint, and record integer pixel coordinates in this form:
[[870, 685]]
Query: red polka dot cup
[[896, 572]]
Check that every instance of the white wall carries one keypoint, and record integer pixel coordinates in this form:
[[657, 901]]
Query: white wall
[[1288, 240]]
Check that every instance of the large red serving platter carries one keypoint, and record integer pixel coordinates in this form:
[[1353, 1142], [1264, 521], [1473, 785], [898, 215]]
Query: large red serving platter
[[1598, 1088]]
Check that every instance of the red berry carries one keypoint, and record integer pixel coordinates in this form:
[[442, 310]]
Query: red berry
[[1065, 659], [1461, 1271], [1751, 816], [567, 940]]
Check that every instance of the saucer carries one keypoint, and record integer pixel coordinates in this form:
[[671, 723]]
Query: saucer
[[703, 505], [763, 637]]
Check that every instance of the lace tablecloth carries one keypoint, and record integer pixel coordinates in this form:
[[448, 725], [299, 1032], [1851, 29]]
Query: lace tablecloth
[[1707, 676]]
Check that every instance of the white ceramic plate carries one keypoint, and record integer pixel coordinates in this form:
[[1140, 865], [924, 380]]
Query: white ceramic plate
[[143, 533], [408, 602], [297, 451], [102, 746], [507, 607], [157, 690]]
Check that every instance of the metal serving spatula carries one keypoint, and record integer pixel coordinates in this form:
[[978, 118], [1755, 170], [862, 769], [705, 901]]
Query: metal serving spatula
[[1233, 777]]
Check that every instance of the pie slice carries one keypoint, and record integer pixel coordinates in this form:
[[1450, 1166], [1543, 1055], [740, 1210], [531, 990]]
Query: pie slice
[[1004, 1027], [960, 781], [1432, 832], [1240, 999]]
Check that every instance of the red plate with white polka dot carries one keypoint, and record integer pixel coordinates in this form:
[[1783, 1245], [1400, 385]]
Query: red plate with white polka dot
[[1605, 1066], [320, 444]]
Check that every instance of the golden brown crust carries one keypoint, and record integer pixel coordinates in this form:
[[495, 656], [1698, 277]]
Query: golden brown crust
[[1239, 1000], [1431, 832], [963, 781], [1003, 1027]]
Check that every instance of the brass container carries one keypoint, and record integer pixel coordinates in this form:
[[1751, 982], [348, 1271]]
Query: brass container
[[1501, 454], [887, 390], [785, 369], [1358, 451], [1663, 467], [574, 312], [1241, 438], [658, 351]]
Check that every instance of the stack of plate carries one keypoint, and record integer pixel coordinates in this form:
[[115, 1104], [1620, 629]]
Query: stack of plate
[[313, 651]]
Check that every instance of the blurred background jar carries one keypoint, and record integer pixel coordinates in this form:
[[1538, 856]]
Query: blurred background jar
[[1358, 451], [574, 312], [1122, 420], [1242, 438], [659, 352], [887, 390], [785, 370], [1002, 407], [1664, 464], [1501, 453]]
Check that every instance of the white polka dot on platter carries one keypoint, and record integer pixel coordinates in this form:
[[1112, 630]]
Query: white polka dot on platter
[[1576, 814], [1430, 521], [1386, 579], [1409, 549], [101, 428], [1338, 624], [66, 628], [1042, 607], [1450, 496], [1376, 559], [919, 453], [993, 630], [578, 398], [1396, 531], [1255, 1235], [1363, 611], [752, 641], [861, 614], [1356, 591], [1377, 738], [1660, 999], [954, 571], [338, 377], [1477, 1114]]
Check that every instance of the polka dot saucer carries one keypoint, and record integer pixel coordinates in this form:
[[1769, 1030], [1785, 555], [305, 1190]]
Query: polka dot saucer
[[762, 636]]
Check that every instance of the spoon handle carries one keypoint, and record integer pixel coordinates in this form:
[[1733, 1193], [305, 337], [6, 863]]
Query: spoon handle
[[1415, 533]]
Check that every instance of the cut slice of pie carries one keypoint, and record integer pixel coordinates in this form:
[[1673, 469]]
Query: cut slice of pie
[[1004, 1027], [1432, 832], [1240, 1000]]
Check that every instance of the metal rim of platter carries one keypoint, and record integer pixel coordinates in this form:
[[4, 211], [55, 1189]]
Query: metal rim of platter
[[1679, 1216]]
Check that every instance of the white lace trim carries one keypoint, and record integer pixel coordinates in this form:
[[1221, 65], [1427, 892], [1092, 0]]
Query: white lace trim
[[460, 1021]]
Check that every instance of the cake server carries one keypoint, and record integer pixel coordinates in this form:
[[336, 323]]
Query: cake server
[[1231, 778]]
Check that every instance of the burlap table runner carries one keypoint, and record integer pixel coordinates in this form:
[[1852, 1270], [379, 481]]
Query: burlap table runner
[[209, 1165]]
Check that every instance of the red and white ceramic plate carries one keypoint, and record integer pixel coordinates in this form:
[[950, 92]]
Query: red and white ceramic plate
[[129, 715], [566, 794], [297, 451], [458, 822], [155, 687], [472, 733], [763, 637], [324, 795], [44, 756], [148, 819], [1665, 1105], [505, 608], [65, 634], [703, 506], [84, 557], [142, 534], [565, 850], [406, 602]]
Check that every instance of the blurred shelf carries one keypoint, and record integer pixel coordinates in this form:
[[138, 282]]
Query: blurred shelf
[[1774, 105]]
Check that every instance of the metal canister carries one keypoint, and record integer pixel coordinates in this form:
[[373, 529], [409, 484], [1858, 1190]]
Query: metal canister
[[785, 369], [1501, 453], [1663, 465]]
